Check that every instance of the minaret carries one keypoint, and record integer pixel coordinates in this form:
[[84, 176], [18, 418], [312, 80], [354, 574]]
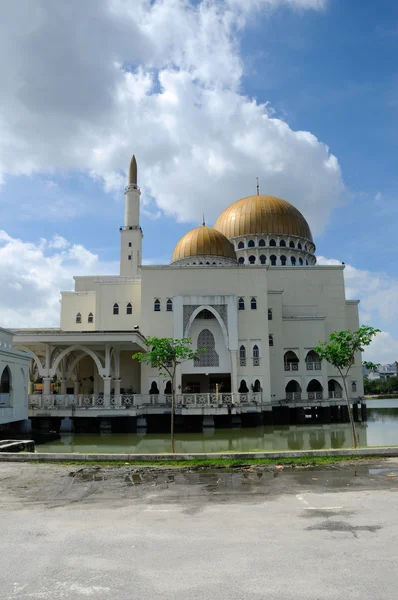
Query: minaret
[[131, 233]]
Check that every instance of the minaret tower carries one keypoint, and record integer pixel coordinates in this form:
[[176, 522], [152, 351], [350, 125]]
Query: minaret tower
[[131, 233]]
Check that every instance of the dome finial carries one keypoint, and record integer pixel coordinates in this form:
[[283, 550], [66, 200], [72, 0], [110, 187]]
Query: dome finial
[[133, 171], [203, 220], [257, 187]]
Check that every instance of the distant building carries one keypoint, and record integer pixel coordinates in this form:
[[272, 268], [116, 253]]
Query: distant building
[[14, 375], [382, 372]]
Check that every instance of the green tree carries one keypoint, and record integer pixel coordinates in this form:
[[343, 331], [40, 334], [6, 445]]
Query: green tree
[[165, 354], [340, 352]]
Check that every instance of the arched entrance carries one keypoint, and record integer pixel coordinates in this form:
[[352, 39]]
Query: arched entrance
[[334, 388]]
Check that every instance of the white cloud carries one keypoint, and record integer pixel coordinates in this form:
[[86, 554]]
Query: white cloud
[[32, 275], [378, 294], [166, 84]]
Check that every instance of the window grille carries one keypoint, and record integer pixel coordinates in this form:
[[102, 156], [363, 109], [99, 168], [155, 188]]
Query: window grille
[[210, 358]]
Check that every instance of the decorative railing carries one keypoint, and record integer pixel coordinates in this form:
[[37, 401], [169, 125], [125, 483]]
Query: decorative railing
[[120, 402], [292, 366], [315, 395], [314, 366], [256, 362], [335, 394], [293, 396], [5, 400]]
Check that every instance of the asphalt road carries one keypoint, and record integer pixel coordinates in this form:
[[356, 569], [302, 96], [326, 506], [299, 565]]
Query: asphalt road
[[119, 533]]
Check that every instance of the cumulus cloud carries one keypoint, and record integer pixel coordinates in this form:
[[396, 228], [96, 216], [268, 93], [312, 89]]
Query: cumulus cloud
[[32, 275], [378, 294], [162, 79]]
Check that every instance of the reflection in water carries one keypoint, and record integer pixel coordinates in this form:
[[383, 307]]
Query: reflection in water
[[380, 430]]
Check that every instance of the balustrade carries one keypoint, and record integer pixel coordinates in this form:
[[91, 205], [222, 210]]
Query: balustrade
[[120, 402], [315, 395], [314, 366], [293, 366]]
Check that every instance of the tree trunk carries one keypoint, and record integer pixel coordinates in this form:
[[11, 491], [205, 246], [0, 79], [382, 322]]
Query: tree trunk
[[354, 433], [173, 395]]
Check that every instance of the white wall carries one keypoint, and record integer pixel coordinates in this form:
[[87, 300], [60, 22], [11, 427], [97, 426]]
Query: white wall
[[18, 364]]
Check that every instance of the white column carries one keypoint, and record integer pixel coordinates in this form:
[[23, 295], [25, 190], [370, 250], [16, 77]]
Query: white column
[[116, 386], [76, 387], [234, 371], [46, 386], [107, 385]]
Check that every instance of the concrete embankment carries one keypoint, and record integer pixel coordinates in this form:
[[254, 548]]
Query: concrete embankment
[[10, 446], [151, 458]]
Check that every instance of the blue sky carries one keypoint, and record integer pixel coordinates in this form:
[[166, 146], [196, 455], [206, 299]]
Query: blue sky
[[70, 122]]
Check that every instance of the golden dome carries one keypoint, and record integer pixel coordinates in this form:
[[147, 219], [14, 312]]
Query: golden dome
[[262, 214], [203, 241]]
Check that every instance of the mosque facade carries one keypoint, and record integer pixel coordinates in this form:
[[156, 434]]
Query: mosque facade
[[248, 289]]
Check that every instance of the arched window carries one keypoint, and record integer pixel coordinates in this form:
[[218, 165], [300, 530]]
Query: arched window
[[115, 309], [271, 339], [263, 259], [314, 390], [300, 261], [299, 246], [282, 243], [241, 245], [241, 260], [293, 261], [167, 389], [334, 388], [291, 361], [5, 381], [273, 260], [156, 305], [354, 386], [129, 309], [169, 305], [293, 390], [241, 304], [242, 356], [261, 243], [252, 259], [209, 358], [291, 245], [283, 261], [256, 356], [313, 361], [205, 314], [90, 318], [257, 386], [272, 243], [154, 390], [253, 304], [270, 314], [251, 244], [243, 389], [78, 318]]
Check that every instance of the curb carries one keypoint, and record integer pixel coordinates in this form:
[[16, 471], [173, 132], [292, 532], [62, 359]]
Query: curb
[[79, 457]]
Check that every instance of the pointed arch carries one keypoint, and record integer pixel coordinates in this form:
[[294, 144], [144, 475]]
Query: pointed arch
[[5, 381], [35, 358], [217, 316], [65, 352]]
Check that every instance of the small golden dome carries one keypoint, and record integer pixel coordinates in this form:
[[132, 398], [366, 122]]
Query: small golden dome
[[262, 214], [203, 241]]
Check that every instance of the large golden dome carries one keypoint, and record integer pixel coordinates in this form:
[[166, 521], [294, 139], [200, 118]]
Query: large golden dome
[[203, 241], [262, 214]]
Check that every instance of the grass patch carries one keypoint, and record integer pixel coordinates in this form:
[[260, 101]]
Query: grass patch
[[219, 462]]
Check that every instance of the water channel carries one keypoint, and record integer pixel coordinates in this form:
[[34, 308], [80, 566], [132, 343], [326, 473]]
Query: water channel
[[381, 429]]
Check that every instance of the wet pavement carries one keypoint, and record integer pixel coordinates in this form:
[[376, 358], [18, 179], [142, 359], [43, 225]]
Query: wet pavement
[[253, 532]]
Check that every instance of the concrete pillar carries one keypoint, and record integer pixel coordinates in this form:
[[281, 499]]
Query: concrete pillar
[[66, 425], [76, 387], [355, 412], [30, 387], [236, 421], [326, 417], [63, 383], [141, 424], [107, 385], [364, 412], [208, 422], [234, 372], [105, 426], [46, 386], [116, 386], [334, 410]]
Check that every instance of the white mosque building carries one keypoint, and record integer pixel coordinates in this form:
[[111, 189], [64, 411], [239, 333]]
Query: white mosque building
[[247, 289]]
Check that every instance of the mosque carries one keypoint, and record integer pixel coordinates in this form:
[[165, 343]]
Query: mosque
[[247, 289]]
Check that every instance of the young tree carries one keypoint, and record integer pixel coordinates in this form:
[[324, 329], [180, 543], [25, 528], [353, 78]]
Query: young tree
[[165, 354], [340, 351]]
